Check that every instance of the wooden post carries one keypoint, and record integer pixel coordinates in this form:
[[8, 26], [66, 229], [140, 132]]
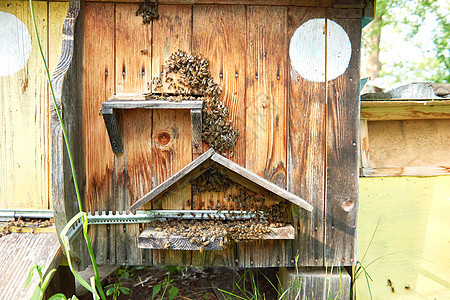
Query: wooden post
[[316, 283]]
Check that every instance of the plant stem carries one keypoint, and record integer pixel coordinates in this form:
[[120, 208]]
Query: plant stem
[[58, 112]]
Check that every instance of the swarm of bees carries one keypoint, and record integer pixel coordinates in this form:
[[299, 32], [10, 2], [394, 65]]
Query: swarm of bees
[[203, 233], [211, 181], [16, 226], [194, 82], [148, 10]]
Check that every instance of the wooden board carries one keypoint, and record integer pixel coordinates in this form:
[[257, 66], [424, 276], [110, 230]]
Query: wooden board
[[255, 2], [24, 171], [172, 31], [134, 168], [20, 252], [341, 205], [404, 110], [306, 150], [172, 133], [409, 245], [223, 43], [98, 85], [265, 115], [152, 239]]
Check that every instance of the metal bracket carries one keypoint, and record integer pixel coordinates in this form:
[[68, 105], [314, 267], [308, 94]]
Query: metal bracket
[[142, 216], [75, 230]]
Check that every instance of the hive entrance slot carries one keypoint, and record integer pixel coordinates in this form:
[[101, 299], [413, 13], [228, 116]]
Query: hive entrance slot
[[207, 235]]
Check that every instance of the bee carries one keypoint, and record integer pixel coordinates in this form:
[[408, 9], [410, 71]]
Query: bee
[[389, 282], [206, 243], [167, 245], [201, 249], [407, 287]]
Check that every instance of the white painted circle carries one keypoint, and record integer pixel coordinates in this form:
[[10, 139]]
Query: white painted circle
[[307, 50], [15, 44]]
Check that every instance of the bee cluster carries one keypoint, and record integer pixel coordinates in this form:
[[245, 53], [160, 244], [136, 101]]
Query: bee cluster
[[204, 232], [194, 78], [16, 226], [148, 10], [211, 181]]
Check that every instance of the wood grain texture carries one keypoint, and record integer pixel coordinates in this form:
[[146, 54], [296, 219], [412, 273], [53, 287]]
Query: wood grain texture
[[385, 111], [341, 206], [236, 2], [306, 150], [222, 41], [266, 97], [99, 64], [133, 65], [171, 31], [172, 133], [24, 120], [20, 252], [133, 176], [266, 93]]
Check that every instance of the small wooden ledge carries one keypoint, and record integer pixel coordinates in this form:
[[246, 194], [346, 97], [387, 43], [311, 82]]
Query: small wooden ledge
[[152, 239], [139, 101]]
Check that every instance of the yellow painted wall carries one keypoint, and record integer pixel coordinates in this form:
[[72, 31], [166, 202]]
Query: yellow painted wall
[[24, 134], [412, 240]]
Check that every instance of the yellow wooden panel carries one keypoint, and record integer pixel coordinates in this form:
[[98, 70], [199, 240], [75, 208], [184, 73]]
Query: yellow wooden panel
[[24, 120], [57, 14], [412, 240]]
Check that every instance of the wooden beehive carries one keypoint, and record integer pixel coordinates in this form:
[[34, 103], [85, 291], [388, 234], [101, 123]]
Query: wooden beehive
[[298, 121]]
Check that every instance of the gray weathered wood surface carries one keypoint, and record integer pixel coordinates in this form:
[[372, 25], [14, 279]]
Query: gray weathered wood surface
[[152, 239], [20, 252]]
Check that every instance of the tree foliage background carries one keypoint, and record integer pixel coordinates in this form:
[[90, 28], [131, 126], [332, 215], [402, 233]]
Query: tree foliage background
[[408, 41]]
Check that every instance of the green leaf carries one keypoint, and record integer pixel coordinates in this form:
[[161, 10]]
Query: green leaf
[[37, 294], [74, 298], [173, 292], [58, 296], [110, 291], [30, 274], [125, 290], [156, 289], [172, 269]]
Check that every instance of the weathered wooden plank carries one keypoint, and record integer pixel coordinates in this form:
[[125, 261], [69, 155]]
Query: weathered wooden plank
[[342, 154], [306, 149], [177, 180], [132, 63], [266, 93], [406, 171], [56, 19], [219, 35], [316, 283], [150, 104], [405, 110], [171, 31], [364, 151], [24, 115], [172, 144], [152, 239], [266, 114], [98, 85], [402, 147], [133, 175], [236, 2], [263, 184], [20, 252]]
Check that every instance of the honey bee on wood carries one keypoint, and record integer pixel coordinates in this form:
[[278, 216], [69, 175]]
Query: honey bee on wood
[[166, 245]]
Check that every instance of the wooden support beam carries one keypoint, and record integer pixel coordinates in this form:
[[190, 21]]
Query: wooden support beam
[[316, 283]]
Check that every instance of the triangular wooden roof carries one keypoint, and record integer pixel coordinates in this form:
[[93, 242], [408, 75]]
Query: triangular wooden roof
[[234, 171]]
